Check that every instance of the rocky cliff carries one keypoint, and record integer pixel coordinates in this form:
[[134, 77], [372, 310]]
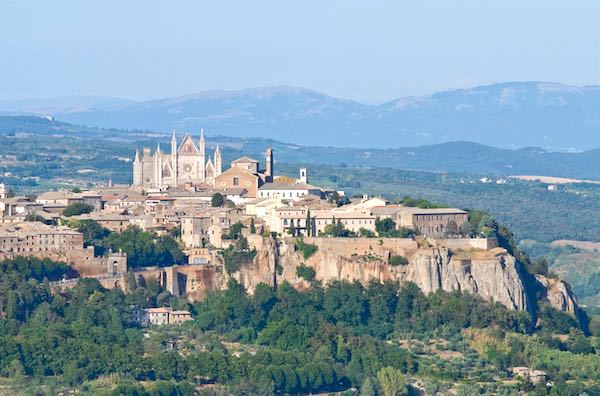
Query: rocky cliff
[[492, 274]]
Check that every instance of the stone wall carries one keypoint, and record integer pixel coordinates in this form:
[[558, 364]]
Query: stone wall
[[468, 243]]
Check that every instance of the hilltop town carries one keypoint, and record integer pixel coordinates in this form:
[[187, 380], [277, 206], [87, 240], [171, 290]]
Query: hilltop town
[[195, 255], [248, 223]]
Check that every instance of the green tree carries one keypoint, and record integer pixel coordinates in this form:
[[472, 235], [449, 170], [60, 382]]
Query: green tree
[[398, 260], [252, 226], [335, 199], [578, 342], [308, 223], [363, 232], [305, 272], [392, 382], [368, 387], [217, 200], [76, 209]]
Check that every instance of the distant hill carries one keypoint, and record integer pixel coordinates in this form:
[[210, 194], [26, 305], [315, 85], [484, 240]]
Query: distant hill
[[456, 157], [60, 105], [509, 115]]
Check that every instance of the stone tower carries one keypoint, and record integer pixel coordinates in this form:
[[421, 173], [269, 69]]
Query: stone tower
[[303, 175], [202, 149], [218, 162], [116, 263], [137, 169], [269, 170], [174, 155]]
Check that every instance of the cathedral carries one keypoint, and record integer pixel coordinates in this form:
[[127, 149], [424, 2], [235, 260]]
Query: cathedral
[[186, 163]]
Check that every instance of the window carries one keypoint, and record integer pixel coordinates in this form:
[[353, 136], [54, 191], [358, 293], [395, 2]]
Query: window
[[236, 181]]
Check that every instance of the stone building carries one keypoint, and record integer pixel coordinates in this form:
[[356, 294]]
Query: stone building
[[163, 316], [185, 164], [38, 239], [435, 222], [245, 173]]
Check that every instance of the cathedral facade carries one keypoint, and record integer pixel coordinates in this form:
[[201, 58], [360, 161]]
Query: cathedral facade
[[185, 164]]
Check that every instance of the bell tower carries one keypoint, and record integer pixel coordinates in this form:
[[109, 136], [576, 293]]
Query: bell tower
[[269, 170]]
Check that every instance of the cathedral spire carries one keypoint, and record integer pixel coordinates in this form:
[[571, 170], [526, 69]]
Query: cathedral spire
[[218, 163], [202, 145], [174, 156], [137, 155], [158, 149], [173, 143]]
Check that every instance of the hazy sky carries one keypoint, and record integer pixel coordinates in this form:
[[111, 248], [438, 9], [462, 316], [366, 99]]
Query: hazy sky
[[365, 50]]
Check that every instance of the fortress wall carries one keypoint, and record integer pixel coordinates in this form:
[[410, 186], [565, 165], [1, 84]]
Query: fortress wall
[[349, 247], [468, 243]]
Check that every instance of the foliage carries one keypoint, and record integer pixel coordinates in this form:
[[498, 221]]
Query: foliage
[[306, 273], [235, 231], [419, 203], [506, 349], [336, 229], [307, 249], [24, 284], [35, 217], [77, 208], [145, 249], [364, 233], [93, 234], [237, 255], [252, 226], [392, 382], [313, 341], [336, 199], [308, 221], [386, 228], [217, 200], [555, 321], [398, 260]]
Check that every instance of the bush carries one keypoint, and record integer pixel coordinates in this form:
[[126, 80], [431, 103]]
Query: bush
[[77, 208], [307, 249], [305, 272], [398, 260], [217, 200]]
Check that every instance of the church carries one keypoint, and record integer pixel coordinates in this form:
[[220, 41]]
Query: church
[[185, 164]]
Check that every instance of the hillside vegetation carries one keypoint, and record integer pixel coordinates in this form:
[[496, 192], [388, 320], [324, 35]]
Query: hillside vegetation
[[336, 338]]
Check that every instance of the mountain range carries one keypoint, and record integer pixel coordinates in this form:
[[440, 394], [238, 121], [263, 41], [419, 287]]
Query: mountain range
[[508, 115], [456, 157]]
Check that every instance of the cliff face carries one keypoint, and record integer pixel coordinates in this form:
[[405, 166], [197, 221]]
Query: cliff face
[[492, 274], [558, 293]]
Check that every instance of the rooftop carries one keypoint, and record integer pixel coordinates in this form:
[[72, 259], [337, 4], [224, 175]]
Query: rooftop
[[288, 186], [244, 160]]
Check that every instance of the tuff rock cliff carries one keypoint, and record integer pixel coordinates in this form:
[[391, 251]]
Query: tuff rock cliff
[[492, 274]]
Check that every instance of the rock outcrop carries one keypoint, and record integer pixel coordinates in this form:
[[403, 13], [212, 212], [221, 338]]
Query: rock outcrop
[[558, 294], [492, 274]]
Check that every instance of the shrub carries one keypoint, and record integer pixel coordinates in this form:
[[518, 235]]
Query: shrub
[[77, 208], [305, 272], [217, 200], [307, 249], [398, 260]]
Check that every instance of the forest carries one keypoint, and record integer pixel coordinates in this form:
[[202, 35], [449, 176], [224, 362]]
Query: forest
[[377, 339]]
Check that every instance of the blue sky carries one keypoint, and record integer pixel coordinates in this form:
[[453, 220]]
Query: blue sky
[[370, 51]]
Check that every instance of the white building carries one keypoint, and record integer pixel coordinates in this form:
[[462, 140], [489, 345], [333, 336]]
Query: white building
[[291, 191]]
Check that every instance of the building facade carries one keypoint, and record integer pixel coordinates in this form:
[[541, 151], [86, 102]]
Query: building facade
[[187, 163]]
